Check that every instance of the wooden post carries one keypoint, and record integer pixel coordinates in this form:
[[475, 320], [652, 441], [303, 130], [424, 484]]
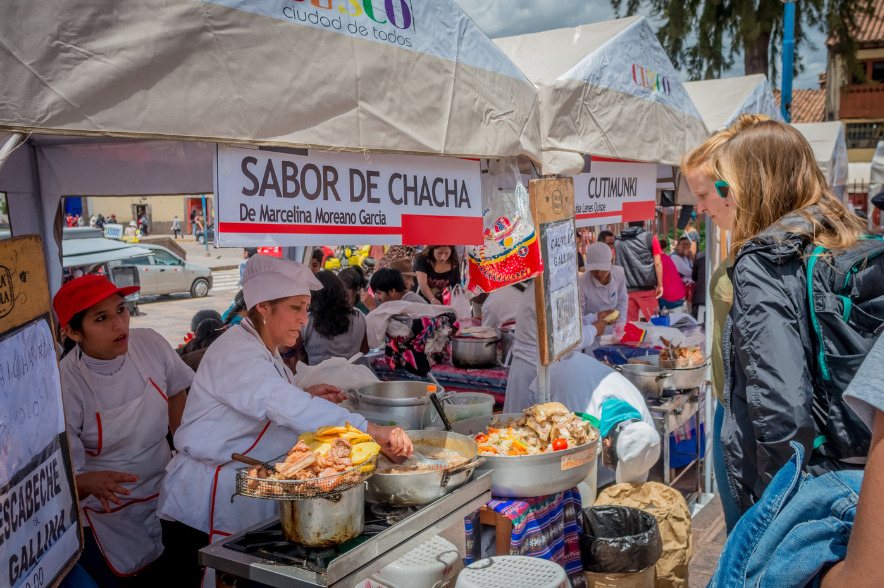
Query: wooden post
[[558, 301]]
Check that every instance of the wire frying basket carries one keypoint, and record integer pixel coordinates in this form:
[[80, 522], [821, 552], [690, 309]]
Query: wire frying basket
[[323, 487]]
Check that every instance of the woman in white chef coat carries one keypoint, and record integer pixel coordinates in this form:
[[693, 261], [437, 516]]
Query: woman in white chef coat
[[123, 391], [603, 285], [242, 401]]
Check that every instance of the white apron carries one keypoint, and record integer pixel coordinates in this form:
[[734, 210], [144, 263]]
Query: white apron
[[131, 439]]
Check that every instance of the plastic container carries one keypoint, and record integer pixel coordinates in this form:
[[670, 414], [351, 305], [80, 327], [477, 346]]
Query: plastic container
[[619, 540], [509, 571], [433, 564], [465, 405]]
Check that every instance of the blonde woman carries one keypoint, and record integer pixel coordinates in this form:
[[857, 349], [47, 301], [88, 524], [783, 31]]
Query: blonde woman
[[697, 167], [774, 395]]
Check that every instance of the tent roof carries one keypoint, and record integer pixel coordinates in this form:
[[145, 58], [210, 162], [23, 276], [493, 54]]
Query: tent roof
[[829, 149], [606, 89], [424, 80], [721, 102]]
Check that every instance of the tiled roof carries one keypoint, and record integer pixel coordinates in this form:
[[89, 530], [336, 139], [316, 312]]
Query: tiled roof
[[807, 105], [871, 28]]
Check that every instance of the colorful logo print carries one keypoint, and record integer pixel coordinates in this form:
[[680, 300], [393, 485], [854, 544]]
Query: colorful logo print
[[648, 78]]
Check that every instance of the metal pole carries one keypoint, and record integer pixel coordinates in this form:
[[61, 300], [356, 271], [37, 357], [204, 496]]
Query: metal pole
[[9, 147], [542, 383], [713, 246], [206, 225], [788, 59]]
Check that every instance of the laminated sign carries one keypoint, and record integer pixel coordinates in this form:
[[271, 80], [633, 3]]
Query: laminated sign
[[269, 198], [615, 192]]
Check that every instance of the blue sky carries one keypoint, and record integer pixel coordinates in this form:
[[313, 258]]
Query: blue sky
[[502, 18]]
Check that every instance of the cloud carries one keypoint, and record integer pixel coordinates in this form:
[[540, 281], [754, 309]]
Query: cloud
[[503, 18]]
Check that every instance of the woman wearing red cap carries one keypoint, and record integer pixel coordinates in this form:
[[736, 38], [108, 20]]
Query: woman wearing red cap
[[122, 393]]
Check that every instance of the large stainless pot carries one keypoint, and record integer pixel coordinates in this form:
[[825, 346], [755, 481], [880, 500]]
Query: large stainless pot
[[425, 487], [402, 403], [650, 380], [527, 476], [474, 352], [324, 522]]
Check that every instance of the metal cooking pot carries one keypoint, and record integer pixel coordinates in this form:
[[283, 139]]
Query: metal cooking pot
[[474, 352], [527, 476], [650, 380], [324, 522], [686, 378], [507, 338], [404, 403], [425, 487]]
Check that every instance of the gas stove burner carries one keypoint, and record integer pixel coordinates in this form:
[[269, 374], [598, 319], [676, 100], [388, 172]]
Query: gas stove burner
[[270, 544], [390, 514]]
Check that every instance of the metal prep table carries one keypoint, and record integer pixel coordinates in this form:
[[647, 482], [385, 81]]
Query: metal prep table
[[671, 412], [359, 562]]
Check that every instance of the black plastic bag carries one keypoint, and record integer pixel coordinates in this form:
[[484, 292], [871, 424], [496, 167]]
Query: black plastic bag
[[619, 540]]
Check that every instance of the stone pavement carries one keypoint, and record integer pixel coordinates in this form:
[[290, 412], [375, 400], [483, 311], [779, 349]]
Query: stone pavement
[[709, 537]]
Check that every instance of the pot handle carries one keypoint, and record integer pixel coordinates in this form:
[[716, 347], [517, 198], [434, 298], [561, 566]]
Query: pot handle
[[662, 376], [492, 342], [618, 368], [464, 467]]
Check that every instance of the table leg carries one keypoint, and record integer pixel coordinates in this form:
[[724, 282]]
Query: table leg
[[666, 473], [503, 529]]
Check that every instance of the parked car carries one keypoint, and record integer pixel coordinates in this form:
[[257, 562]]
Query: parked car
[[165, 273], [201, 234]]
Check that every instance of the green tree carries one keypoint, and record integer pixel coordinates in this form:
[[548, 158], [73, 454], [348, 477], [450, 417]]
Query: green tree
[[704, 37]]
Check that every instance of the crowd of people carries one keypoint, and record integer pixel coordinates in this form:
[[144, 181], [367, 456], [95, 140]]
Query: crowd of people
[[797, 307]]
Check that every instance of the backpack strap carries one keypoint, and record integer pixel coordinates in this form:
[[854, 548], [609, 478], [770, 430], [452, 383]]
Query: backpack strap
[[811, 262]]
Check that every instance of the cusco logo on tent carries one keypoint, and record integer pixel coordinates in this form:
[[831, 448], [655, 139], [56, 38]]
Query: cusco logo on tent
[[647, 78], [359, 7]]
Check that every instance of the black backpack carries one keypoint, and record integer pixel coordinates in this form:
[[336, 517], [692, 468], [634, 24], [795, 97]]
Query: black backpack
[[846, 299]]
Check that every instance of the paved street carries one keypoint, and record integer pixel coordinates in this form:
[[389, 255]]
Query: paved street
[[170, 315]]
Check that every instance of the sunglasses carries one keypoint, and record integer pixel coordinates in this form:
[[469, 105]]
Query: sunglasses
[[722, 188]]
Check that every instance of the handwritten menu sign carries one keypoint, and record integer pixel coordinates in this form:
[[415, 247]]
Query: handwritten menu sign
[[558, 301], [40, 530]]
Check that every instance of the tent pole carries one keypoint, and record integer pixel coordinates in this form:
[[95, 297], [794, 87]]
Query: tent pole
[[13, 142]]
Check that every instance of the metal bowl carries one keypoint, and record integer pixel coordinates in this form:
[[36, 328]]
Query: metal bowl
[[403, 403], [527, 476], [424, 487]]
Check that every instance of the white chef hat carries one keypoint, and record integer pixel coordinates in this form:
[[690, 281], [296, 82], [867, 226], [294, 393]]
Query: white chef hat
[[268, 278], [638, 449]]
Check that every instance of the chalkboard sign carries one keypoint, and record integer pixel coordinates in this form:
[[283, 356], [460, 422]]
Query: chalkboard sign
[[40, 529], [558, 301]]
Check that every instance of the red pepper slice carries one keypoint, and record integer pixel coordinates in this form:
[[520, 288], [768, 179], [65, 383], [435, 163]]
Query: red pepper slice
[[480, 438]]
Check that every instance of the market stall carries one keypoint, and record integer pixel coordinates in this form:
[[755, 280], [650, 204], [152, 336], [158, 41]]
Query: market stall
[[720, 102], [107, 107], [830, 150]]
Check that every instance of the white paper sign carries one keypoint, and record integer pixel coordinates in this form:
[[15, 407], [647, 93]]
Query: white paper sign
[[38, 530], [615, 192], [31, 412], [560, 257], [267, 198]]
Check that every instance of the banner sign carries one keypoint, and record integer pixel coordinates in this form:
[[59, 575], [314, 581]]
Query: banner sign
[[615, 192], [38, 513], [267, 198]]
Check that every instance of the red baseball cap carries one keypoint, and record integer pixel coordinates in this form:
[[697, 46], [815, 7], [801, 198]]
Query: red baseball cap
[[81, 293]]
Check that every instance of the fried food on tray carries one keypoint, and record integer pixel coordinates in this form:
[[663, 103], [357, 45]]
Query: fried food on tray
[[688, 355], [327, 452], [544, 428]]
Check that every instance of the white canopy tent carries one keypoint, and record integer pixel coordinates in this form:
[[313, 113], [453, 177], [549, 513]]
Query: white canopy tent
[[607, 89], [721, 102], [130, 97], [830, 150]]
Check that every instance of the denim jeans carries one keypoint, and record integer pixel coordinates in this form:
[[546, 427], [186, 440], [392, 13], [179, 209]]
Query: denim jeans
[[795, 533], [728, 504]]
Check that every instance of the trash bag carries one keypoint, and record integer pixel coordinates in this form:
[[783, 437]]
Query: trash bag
[[619, 539], [673, 519]]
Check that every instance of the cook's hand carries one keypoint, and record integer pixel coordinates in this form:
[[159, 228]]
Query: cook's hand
[[435, 301], [327, 391], [658, 291], [393, 438], [104, 485], [605, 313], [600, 326]]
